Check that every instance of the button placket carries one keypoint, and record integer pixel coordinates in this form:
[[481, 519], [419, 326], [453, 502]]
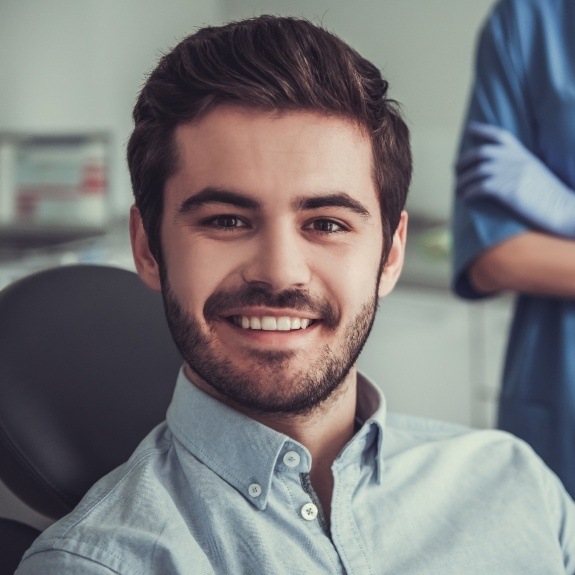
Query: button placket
[[309, 511]]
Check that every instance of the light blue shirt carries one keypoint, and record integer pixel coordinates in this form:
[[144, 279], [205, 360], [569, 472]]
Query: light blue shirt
[[525, 83], [212, 491]]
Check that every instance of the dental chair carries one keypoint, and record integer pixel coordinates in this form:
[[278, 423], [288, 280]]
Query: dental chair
[[87, 369]]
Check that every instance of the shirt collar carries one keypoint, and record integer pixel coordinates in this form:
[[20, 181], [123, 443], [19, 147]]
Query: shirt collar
[[245, 452], [371, 413]]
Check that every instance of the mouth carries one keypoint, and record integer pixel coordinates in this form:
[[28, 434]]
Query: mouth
[[271, 323]]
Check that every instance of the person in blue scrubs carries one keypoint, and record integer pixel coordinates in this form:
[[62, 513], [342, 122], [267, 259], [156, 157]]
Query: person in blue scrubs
[[514, 215]]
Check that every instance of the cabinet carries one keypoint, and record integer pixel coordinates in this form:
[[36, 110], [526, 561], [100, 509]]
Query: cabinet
[[490, 326], [419, 354], [436, 356]]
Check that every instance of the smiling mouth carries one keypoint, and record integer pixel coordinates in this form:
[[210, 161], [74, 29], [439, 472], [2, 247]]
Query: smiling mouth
[[271, 323]]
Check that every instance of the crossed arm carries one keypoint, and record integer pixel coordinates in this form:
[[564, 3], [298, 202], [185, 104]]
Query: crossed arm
[[542, 262], [532, 263]]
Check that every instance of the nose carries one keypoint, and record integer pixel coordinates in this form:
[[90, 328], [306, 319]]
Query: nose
[[279, 260]]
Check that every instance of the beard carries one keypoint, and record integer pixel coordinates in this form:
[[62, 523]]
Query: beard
[[271, 381]]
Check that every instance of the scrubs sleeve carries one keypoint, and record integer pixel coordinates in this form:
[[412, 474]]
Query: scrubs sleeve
[[498, 98]]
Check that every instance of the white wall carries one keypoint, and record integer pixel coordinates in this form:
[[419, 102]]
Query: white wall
[[78, 64], [425, 50], [72, 65]]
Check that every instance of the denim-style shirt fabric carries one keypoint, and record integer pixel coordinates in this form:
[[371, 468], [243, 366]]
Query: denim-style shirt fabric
[[212, 491]]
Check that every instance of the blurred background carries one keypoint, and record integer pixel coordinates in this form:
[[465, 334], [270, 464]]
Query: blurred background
[[70, 71]]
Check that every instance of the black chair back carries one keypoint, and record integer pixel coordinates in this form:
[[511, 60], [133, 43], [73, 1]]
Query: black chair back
[[87, 369], [15, 539]]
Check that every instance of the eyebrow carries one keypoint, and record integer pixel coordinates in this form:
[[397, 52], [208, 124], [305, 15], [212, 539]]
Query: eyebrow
[[336, 200], [211, 195]]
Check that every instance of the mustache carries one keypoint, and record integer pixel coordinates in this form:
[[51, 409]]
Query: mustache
[[251, 295]]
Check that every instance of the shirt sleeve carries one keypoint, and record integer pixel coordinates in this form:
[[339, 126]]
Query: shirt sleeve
[[499, 97], [562, 509]]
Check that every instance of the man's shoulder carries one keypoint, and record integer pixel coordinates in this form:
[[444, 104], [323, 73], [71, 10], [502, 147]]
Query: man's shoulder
[[485, 460], [424, 426], [120, 521], [499, 448], [425, 429]]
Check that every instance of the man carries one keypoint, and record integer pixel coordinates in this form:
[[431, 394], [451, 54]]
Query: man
[[270, 172]]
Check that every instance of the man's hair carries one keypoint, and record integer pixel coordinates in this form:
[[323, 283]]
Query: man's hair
[[273, 64]]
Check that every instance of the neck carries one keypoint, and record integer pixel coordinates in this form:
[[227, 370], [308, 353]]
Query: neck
[[324, 431]]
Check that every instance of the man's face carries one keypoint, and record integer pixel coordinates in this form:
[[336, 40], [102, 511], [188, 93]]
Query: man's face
[[272, 245]]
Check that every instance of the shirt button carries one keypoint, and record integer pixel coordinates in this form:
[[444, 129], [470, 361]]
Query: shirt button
[[292, 458], [309, 511], [255, 490]]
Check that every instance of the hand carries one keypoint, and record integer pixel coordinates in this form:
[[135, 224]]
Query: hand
[[501, 168]]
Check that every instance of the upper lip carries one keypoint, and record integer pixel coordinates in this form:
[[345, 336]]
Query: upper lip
[[269, 312]]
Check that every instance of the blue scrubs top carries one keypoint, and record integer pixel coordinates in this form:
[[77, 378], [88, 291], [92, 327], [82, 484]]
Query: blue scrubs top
[[525, 83]]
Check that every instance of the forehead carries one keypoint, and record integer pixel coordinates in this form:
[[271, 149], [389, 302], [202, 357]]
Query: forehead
[[273, 155]]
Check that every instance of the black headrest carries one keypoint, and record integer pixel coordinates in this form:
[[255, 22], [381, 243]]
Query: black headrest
[[87, 369]]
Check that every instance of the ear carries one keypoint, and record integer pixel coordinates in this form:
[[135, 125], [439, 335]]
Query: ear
[[394, 264], [145, 261]]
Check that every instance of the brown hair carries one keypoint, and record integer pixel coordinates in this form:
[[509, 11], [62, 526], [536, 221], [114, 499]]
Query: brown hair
[[269, 63]]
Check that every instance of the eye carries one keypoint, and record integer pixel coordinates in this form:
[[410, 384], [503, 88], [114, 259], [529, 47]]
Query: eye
[[225, 222], [326, 226]]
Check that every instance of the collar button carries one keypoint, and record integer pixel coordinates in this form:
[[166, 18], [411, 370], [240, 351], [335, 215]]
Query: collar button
[[291, 459], [255, 490]]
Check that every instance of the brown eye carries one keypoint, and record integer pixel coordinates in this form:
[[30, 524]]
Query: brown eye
[[326, 226], [225, 222]]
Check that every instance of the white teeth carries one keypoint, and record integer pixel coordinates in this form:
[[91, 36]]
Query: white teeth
[[283, 324], [255, 323], [270, 323]]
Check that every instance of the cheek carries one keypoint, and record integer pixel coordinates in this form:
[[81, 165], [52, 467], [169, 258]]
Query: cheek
[[196, 269], [351, 281]]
